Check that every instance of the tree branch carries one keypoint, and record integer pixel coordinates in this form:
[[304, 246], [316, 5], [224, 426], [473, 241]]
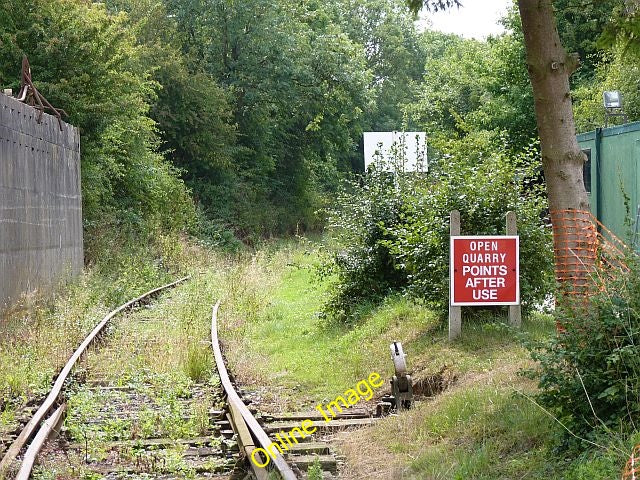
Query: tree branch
[[432, 5]]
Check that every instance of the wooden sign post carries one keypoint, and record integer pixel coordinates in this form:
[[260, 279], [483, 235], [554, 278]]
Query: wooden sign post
[[484, 271], [455, 311], [515, 311]]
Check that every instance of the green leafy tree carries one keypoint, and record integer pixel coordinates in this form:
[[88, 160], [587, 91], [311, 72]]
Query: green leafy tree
[[299, 87], [192, 111], [618, 72], [468, 169], [453, 85], [550, 66], [386, 32], [482, 85], [86, 61], [581, 25]]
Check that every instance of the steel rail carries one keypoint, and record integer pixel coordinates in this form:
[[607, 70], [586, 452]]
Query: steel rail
[[51, 399], [38, 441], [236, 404], [245, 440]]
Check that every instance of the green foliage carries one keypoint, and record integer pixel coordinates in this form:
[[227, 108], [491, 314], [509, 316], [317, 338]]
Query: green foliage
[[496, 435], [315, 470], [193, 111], [393, 231], [259, 106], [194, 114], [462, 180], [594, 466], [392, 47], [617, 72], [197, 364], [299, 86], [85, 60], [584, 26], [589, 375], [435, 5], [364, 268], [581, 25], [484, 84], [453, 83], [623, 26]]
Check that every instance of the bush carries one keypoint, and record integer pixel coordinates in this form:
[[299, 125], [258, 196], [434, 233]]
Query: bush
[[589, 375], [393, 229], [363, 266], [476, 178]]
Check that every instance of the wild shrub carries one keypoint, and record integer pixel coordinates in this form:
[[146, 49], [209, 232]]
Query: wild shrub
[[392, 229], [477, 178], [364, 268], [589, 375]]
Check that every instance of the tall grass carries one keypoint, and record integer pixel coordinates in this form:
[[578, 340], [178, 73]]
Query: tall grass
[[38, 337], [197, 363]]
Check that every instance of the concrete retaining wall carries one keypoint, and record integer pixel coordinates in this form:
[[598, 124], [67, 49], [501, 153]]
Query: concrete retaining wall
[[40, 201]]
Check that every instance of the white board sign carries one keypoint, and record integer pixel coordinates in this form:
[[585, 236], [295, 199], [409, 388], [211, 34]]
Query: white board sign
[[398, 151]]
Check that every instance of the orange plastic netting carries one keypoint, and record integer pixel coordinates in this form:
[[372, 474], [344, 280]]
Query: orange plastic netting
[[586, 255], [581, 245]]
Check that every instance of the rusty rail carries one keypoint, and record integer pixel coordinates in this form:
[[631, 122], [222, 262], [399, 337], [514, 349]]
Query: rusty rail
[[39, 440], [27, 432], [241, 415]]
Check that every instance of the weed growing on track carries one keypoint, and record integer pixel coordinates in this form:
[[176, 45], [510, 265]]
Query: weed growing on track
[[315, 470], [154, 355], [197, 364], [38, 337]]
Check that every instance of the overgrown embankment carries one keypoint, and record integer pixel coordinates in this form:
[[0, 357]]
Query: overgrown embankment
[[484, 424], [478, 422]]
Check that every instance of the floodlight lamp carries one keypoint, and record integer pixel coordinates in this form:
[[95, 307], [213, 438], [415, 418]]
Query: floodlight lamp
[[612, 99]]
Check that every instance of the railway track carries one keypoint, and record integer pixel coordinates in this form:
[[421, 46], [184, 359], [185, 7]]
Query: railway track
[[38, 425], [117, 430], [259, 431]]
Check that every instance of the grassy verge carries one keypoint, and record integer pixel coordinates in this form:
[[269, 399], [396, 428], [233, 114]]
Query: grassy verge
[[312, 358], [483, 426]]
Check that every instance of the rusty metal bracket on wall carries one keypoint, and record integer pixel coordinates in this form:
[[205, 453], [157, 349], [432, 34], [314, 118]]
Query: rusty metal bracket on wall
[[30, 95]]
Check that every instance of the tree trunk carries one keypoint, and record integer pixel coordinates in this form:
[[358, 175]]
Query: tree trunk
[[549, 68]]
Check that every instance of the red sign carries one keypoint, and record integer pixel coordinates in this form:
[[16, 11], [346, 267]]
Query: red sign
[[485, 270]]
